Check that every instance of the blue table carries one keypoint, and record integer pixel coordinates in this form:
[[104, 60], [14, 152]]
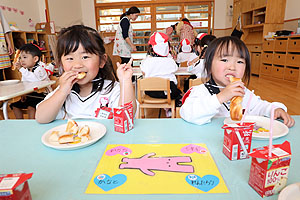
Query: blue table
[[66, 174]]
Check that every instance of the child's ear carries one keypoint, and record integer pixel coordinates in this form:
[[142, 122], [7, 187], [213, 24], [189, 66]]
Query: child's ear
[[103, 60], [35, 58]]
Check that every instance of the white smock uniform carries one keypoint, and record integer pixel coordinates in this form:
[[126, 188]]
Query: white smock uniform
[[200, 106], [76, 106], [163, 67]]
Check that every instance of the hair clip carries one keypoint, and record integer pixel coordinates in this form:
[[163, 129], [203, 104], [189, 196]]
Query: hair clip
[[205, 45]]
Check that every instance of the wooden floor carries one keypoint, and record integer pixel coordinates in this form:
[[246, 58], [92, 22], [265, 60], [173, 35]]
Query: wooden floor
[[267, 89]]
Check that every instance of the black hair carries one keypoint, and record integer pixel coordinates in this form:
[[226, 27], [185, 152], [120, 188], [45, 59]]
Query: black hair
[[131, 10], [225, 46], [185, 20], [69, 40], [32, 49], [204, 43]]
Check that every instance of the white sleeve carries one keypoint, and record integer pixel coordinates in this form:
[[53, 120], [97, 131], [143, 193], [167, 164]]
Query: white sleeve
[[39, 74], [179, 58], [115, 96], [61, 112], [259, 107], [200, 106]]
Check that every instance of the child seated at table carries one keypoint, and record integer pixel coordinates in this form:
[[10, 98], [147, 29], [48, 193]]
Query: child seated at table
[[226, 57], [158, 64], [185, 52], [88, 78], [32, 69]]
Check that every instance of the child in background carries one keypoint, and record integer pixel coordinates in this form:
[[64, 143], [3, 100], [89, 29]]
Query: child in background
[[32, 70], [226, 57], [186, 52], [81, 49], [196, 66], [158, 64]]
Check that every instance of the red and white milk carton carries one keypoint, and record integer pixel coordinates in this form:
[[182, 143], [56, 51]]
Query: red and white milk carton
[[15, 186], [123, 118], [232, 147], [268, 175]]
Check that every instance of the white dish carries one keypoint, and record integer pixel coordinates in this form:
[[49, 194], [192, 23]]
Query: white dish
[[279, 129], [291, 192], [97, 131], [9, 82]]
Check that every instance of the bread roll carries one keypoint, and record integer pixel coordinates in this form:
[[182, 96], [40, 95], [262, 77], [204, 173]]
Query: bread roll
[[81, 75], [66, 139], [72, 127], [85, 130], [236, 109], [54, 136], [85, 138], [16, 59]]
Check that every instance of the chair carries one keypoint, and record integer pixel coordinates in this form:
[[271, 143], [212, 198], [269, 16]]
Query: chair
[[154, 84], [184, 64], [194, 82], [178, 112]]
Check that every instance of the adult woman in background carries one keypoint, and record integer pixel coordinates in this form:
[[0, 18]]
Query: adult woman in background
[[186, 31], [5, 46], [124, 36]]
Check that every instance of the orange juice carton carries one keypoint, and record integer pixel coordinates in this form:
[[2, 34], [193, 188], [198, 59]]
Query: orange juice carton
[[268, 175], [15, 186], [123, 118], [237, 140]]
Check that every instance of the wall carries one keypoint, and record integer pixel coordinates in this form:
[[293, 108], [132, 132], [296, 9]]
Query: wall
[[88, 13], [292, 15], [223, 18], [65, 13], [30, 9]]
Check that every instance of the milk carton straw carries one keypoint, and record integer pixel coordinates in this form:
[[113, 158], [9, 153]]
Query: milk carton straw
[[247, 107], [271, 130], [241, 142]]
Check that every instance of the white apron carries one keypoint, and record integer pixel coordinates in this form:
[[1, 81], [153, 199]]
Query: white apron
[[121, 47], [4, 57]]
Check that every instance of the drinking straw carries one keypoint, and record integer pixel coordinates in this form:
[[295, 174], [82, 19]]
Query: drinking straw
[[247, 107], [128, 117], [271, 130], [241, 142]]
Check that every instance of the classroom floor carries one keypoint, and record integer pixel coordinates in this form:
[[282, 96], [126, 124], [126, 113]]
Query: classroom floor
[[267, 89]]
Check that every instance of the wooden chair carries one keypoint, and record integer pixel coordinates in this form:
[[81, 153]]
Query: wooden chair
[[184, 64], [194, 82], [178, 112], [154, 84]]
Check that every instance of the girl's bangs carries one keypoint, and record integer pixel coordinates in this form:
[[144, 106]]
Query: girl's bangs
[[228, 47]]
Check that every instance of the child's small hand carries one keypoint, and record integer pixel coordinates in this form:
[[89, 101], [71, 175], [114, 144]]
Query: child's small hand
[[287, 119], [67, 80], [17, 65], [125, 71], [231, 90]]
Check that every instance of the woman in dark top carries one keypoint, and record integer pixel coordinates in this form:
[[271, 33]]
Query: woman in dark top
[[124, 36]]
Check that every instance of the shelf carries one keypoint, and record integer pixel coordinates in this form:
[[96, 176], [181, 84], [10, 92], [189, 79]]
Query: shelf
[[253, 25]]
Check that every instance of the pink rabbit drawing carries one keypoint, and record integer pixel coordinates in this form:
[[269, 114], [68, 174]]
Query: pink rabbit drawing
[[147, 163]]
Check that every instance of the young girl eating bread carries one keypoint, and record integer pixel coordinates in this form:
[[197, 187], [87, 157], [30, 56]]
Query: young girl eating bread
[[80, 49], [226, 57]]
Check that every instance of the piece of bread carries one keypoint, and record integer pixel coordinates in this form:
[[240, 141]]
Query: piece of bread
[[236, 109], [85, 130], [16, 59], [81, 75], [72, 127], [54, 136], [66, 139], [85, 138]]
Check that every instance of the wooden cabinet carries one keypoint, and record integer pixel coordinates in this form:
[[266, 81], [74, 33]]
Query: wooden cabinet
[[281, 59], [255, 63]]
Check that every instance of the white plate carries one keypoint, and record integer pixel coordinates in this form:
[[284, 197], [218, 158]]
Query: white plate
[[279, 129], [291, 192], [9, 82], [97, 131]]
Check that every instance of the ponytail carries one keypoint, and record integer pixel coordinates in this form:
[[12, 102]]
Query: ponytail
[[131, 10]]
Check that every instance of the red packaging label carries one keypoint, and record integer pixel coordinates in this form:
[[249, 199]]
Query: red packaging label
[[268, 176], [123, 118], [15, 186], [232, 147]]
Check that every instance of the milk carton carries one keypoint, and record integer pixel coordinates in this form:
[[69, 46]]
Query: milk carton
[[232, 147], [123, 118], [268, 175], [15, 186]]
